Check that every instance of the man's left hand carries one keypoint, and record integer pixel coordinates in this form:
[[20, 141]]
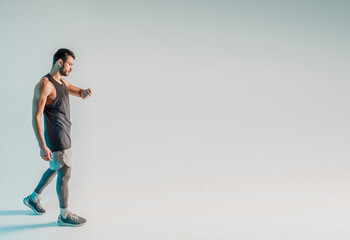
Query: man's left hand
[[86, 93]]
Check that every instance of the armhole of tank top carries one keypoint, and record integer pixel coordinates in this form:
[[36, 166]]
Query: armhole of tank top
[[56, 99]]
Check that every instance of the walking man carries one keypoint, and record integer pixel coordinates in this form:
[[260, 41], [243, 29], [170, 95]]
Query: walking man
[[51, 97]]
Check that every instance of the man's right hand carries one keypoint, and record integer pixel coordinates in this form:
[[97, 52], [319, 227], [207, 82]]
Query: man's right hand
[[46, 153]]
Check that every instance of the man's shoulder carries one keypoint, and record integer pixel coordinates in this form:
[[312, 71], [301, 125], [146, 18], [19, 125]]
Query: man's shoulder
[[45, 83], [44, 79]]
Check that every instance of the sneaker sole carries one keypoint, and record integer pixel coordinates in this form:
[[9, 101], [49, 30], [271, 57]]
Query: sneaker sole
[[25, 201], [61, 223]]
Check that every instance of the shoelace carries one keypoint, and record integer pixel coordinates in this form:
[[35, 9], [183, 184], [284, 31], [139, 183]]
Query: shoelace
[[38, 203], [74, 216]]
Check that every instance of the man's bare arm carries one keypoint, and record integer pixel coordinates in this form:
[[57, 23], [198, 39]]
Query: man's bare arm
[[41, 92], [76, 91]]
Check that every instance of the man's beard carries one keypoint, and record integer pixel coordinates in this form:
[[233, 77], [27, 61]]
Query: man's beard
[[62, 72]]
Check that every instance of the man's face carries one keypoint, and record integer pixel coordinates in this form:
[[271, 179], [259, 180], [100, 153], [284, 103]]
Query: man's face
[[67, 66]]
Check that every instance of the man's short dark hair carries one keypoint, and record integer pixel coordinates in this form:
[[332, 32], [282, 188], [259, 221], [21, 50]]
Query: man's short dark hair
[[63, 54]]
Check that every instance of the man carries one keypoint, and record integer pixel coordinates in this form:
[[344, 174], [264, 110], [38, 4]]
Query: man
[[51, 97]]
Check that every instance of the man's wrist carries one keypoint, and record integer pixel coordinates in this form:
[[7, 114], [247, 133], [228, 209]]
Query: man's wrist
[[42, 146], [81, 92]]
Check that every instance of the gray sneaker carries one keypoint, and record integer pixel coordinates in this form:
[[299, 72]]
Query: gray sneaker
[[71, 220], [35, 206]]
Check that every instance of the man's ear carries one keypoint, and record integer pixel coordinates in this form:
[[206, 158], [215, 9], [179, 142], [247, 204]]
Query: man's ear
[[60, 62]]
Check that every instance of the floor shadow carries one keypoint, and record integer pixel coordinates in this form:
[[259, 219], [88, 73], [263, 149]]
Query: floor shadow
[[17, 228], [16, 212]]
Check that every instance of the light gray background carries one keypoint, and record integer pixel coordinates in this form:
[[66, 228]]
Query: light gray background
[[208, 119]]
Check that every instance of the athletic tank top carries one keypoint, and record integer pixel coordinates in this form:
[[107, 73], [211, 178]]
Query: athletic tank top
[[57, 119]]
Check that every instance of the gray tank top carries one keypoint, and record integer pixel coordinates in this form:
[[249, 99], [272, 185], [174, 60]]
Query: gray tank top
[[57, 119]]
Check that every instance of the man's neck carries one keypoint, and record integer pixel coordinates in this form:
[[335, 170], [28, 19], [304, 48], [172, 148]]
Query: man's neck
[[55, 74]]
